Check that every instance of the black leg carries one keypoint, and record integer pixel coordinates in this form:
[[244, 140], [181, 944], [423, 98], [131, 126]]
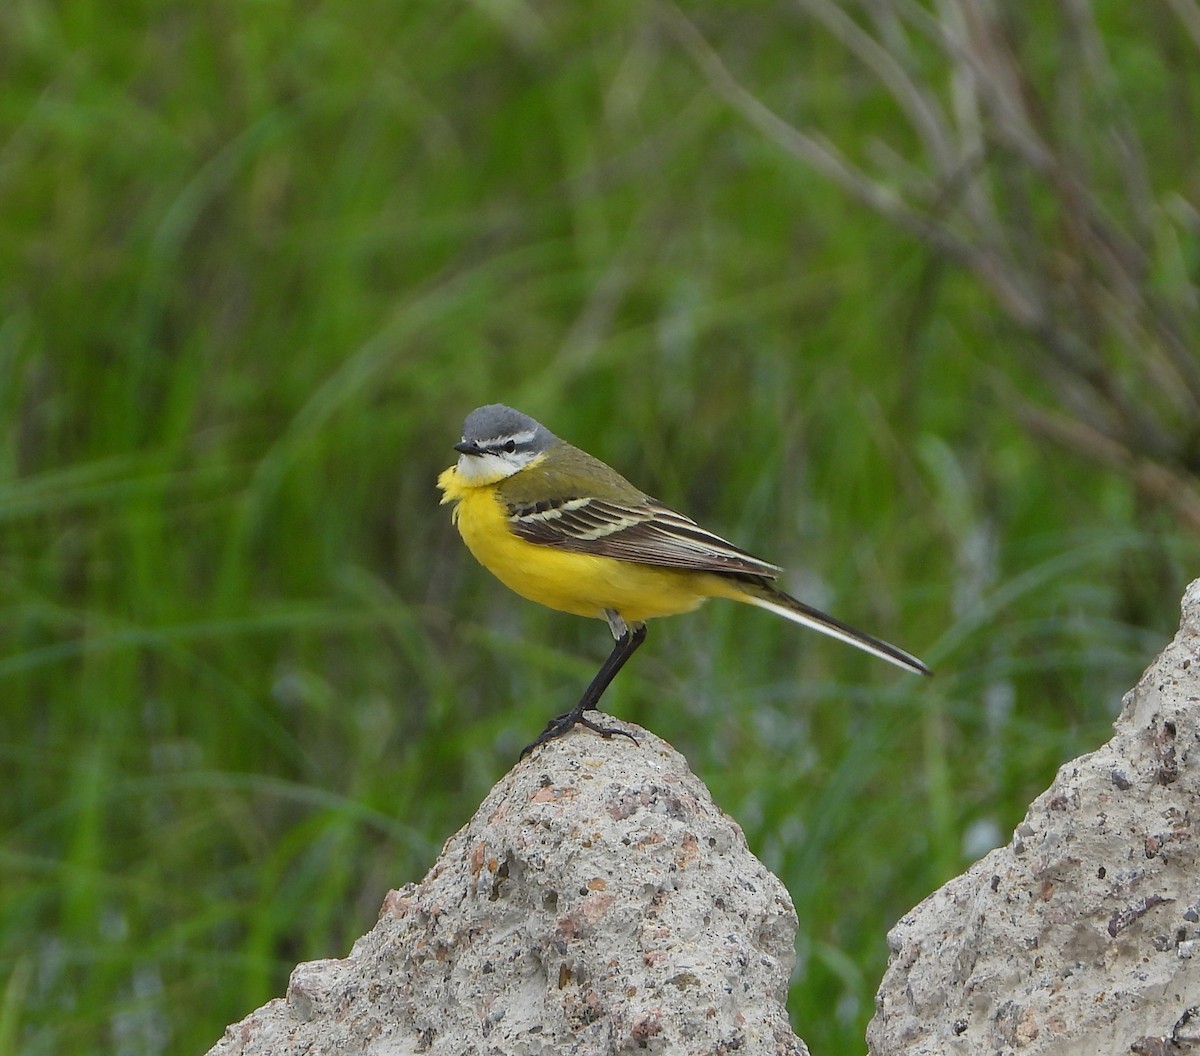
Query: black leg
[[622, 650]]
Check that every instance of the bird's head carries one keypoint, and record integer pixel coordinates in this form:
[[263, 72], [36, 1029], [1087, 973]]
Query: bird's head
[[497, 442]]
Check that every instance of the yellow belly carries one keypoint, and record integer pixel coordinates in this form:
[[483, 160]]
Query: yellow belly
[[571, 582]]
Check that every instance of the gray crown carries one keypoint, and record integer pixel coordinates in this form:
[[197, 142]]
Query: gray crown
[[495, 421]]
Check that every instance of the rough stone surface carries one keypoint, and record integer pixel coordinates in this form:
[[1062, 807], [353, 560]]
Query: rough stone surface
[[1082, 936], [597, 903]]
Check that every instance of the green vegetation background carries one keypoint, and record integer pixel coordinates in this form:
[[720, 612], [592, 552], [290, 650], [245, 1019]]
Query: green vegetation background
[[257, 261]]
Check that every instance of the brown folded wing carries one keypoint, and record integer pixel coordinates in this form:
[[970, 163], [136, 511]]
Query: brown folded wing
[[648, 533]]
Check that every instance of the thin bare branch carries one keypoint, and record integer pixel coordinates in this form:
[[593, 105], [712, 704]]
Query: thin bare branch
[[1188, 12], [831, 163], [922, 110], [1012, 181], [1154, 480], [812, 150]]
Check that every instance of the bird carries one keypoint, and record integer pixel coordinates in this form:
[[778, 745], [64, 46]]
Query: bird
[[560, 527]]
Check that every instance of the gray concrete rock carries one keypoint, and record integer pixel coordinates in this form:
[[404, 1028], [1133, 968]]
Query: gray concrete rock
[[1082, 936], [597, 903]]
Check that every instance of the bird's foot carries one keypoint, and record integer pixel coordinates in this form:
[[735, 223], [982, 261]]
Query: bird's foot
[[560, 724]]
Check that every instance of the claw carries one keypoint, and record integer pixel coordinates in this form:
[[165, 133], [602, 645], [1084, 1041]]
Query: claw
[[560, 724], [627, 641]]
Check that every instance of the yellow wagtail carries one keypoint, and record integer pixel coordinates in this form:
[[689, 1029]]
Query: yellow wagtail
[[561, 528]]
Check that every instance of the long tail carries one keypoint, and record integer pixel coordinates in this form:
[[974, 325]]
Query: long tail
[[761, 592]]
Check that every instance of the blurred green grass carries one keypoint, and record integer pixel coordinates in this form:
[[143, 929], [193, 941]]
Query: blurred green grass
[[257, 262]]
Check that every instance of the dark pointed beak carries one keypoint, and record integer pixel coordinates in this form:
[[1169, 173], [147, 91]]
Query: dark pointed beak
[[467, 447]]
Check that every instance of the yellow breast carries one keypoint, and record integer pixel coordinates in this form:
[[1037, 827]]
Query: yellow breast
[[567, 581]]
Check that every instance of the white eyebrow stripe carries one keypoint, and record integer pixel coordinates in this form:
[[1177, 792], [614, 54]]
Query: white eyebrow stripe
[[525, 436]]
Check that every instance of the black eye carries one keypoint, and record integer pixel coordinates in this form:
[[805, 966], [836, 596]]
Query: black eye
[[510, 446]]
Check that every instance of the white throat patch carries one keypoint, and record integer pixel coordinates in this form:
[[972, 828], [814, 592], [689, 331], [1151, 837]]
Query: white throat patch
[[488, 468]]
